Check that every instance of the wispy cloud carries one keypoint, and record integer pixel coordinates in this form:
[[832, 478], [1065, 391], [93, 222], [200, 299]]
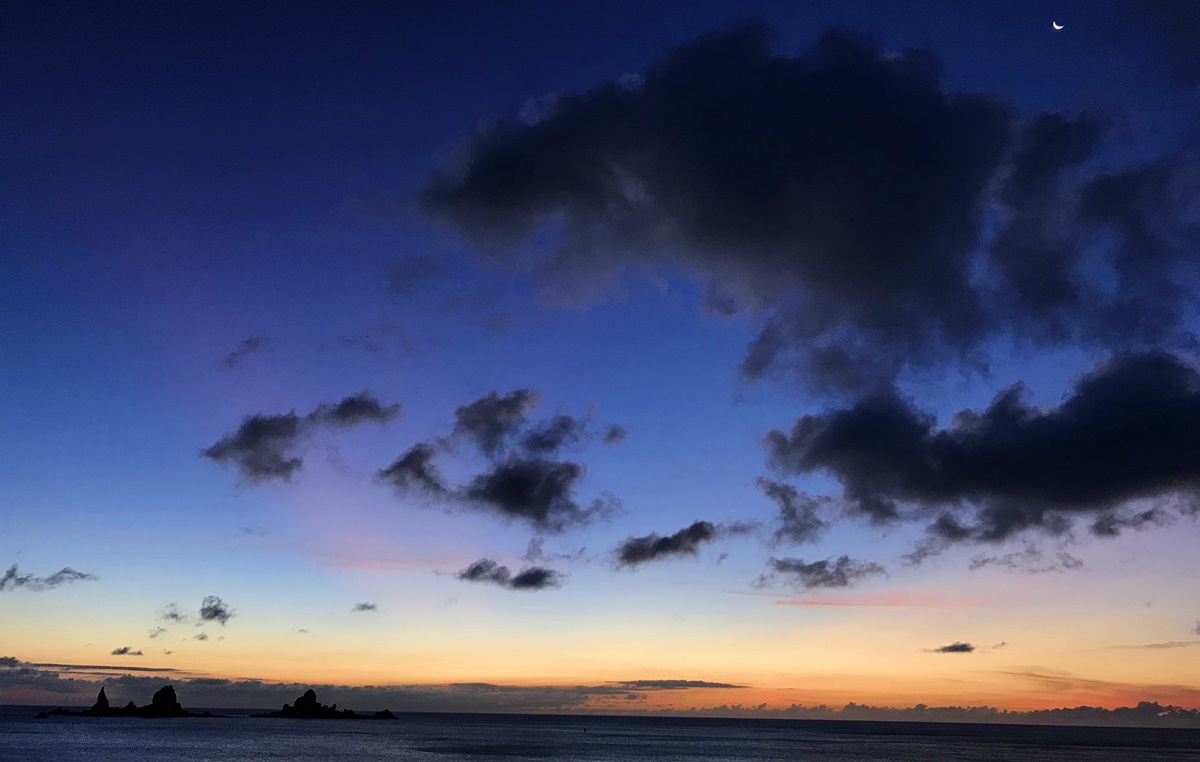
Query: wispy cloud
[[12, 580]]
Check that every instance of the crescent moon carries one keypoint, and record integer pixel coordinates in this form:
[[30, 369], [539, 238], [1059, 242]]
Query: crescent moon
[[1056, 25]]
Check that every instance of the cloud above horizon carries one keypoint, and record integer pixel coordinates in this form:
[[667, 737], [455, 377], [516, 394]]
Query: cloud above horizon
[[954, 648], [521, 482], [530, 579], [265, 446], [842, 571], [1128, 431], [13, 580]]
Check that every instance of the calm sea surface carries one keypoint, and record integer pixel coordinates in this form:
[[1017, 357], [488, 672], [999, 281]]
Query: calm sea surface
[[477, 738]]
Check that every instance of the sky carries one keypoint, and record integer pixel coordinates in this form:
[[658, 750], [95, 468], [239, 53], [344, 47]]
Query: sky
[[533, 356]]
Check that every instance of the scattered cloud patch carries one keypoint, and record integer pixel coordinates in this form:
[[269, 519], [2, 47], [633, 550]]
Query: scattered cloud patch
[[799, 516], [200, 636], [213, 609], [13, 580], [156, 632], [954, 648], [363, 606], [355, 410], [530, 579], [126, 651], [636, 551], [842, 571], [1031, 560], [265, 447], [171, 613]]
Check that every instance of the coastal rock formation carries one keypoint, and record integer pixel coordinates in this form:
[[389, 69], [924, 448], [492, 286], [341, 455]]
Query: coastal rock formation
[[308, 708], [163, 704]]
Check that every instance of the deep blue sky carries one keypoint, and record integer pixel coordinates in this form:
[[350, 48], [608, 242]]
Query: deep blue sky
[[178, 179]]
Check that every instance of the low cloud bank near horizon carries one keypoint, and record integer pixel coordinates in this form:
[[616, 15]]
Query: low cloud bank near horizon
[[60, 685]]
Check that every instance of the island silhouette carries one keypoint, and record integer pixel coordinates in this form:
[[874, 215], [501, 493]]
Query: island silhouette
[[308, 708], [162, 704]]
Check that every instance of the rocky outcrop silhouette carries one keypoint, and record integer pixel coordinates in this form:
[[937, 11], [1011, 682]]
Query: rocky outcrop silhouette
[[163, 704], [308, 708]]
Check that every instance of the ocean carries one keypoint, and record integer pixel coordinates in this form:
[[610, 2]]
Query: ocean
[[512, 738]]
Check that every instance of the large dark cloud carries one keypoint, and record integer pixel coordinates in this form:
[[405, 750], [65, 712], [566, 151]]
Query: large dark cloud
[[492, 419], [213, 609], [1129, 430], [839, 195], [636, 551], [535, 491], [13, 580], [842, 571], [264, 447], [530, 579], [799, 520]]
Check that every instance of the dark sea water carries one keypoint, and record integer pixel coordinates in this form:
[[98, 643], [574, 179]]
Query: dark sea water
[[477, 738]]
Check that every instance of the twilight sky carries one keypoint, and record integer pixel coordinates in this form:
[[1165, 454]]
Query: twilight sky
[[613, 356]]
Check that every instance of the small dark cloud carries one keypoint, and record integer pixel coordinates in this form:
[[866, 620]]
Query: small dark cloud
[[492, 419], [302, 632], [12, 580], [262, 447], [1128, 431], [156, 632], [554, 434], [415, 470], [365, 606], [954, 648], [799, 519], [539, 492], [244, 349], [168, 653], [411, 275], [636, 551], [1197, 627], [835, 572], [530, 579], [1031, 560], [125, 651], [1001, 644], [614, 434], [354, 410], [213, 609], [535, 578], [171, 613], [200, 636], [9, 661]]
